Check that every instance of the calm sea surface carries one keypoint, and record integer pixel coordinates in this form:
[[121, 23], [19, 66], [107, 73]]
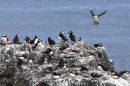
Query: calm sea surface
[[48, 17]]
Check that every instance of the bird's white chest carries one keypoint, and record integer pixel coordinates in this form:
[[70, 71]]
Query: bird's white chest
[[95, 18], [36, 40], [79, 42], [4, 40], [56, 76], [72, 75], [100, 68], [39, 45], [68, 35], [51, 52], [60, 38]]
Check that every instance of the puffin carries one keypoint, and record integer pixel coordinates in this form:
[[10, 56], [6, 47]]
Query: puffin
[[4, 40], [23, 57], [115, 75], [49, 69], [95, 75], [38, 45], [49, 51], [50, 41], [102, 67], [61, 37], [95, 17], [16, 39], [83, 68], [63, 47], [27, 40], [98, 45], [34, 41], [71, 36], [63, 64], [80, 43], [56, 75], [73, 74], [46, 60]]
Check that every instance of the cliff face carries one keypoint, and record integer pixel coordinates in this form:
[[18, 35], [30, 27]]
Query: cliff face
[[21, 65]]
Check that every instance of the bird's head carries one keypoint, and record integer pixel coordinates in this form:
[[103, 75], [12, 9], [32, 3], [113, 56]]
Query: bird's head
[[61, 33], [49, 37], [35, 36]]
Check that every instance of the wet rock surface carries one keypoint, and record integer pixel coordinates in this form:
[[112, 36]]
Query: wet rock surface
[[21, 65]]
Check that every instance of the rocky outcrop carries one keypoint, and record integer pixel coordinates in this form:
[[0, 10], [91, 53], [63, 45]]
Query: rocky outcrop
[[21, 65]]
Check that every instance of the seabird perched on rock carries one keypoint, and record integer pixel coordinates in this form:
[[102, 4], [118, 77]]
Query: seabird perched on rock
[[49, 69], [16, 39], [83, 68], [20, 62], [95, 75], [56, 75], [102, 67], [62, 63], [34, 41], [98, 45], [64, 47], [27, 40], [124, 72], [73, 74], [61, 37], [95, 17], [71, 36], [49, 51], [50, 41], [38, 45], [23, 57], [69, 49], [80, 43], [4, 40], [115, 75], [90, 55], [46, 60]]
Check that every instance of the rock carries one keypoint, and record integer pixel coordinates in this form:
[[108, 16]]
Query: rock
[[36, 72]]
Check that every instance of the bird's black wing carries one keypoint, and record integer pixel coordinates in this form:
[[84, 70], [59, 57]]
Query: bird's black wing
[[92, 13], [53, 42], [35, 46], [64, 38], [16, 41], [32, 41], [73, 38], [102, 13], [64, 47]]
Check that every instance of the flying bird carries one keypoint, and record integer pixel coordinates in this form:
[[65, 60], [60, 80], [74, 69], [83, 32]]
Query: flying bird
[[95, 17]]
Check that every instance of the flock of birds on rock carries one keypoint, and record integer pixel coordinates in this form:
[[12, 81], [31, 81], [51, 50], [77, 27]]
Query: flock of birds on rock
[[36, 42], [36, 45]]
